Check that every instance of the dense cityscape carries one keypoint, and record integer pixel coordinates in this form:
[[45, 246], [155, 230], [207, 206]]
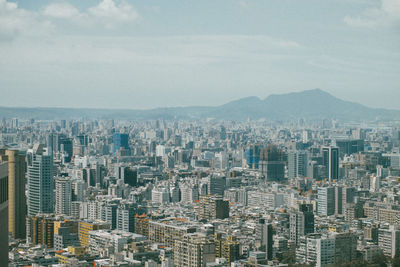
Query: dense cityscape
[[199, 193]]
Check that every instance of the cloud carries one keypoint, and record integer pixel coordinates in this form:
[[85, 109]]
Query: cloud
[[15, 22], [108, 13], [112, 13], [386, 15], [61, 10]]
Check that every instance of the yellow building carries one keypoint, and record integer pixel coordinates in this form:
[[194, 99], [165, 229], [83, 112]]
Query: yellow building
[[86, 226]]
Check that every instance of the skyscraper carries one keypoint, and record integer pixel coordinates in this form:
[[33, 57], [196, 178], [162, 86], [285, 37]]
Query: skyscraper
[[272, 164], [330, 157], [326, 201], [3, 213], [301, 222], [297, 164], [265, 235], [120, 140], [63, 196], [16, 192], [40, 181]]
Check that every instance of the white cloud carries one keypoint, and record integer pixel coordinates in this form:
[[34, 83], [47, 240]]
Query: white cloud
[[112, 13], [15, 21], [386, 15], [62, 10]]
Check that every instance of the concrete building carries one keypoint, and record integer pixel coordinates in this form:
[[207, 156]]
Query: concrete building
[[40, 181], [193, 250], [212, 207], [326, 201], [16, 192], [63, 196]]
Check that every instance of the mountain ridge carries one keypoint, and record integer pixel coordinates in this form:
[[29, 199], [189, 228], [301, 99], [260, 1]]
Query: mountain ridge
[[308, 104]]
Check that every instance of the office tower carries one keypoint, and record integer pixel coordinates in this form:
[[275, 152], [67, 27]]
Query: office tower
[[297, 164], [326, 201], [40, 181], [348, 147], [330, 156], [389, 240], [253, 156], [127, 174], [16, 192], [272, 163], [66, 148], [4, 213], [227, 247], [108, 213], [338, 200], [345, 247], [120, 140], [301, 222], [193, 250], [63, 124], [126, 217], [216, 185], [40, 230], [63, 196], [212, 207], [265, 235], [86, 226]]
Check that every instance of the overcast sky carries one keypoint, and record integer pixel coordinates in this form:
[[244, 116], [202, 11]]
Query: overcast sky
[[147, 53]]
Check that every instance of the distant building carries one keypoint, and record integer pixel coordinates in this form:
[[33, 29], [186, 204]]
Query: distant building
[[297, 164], [301, 222], [193, 250], [120, 140], [326, 201], [330, 156], [212, 207], [272, 164]]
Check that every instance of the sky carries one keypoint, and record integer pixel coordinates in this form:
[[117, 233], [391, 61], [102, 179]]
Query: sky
[[156, 53]]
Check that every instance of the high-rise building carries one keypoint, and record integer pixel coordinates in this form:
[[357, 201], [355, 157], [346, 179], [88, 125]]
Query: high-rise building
[[272, 163], [63, 196], [265, 235], [227, 247], [4, 213], [212, 207], [193, 250], [301, 222], [120, 140], [330, 156], [389, 240], [126, 217], [66, 148], [326, 201], [16, 192], [40, 181], [297, 164], [253, 156], [40, 230]]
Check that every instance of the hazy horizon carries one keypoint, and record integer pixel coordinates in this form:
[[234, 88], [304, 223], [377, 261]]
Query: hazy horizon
[[150, 54]]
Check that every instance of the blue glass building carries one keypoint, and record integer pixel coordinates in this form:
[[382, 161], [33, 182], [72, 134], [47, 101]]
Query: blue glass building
[[120, 140]]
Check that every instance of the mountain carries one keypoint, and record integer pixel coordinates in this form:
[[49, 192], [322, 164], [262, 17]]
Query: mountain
[[309, 104]]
